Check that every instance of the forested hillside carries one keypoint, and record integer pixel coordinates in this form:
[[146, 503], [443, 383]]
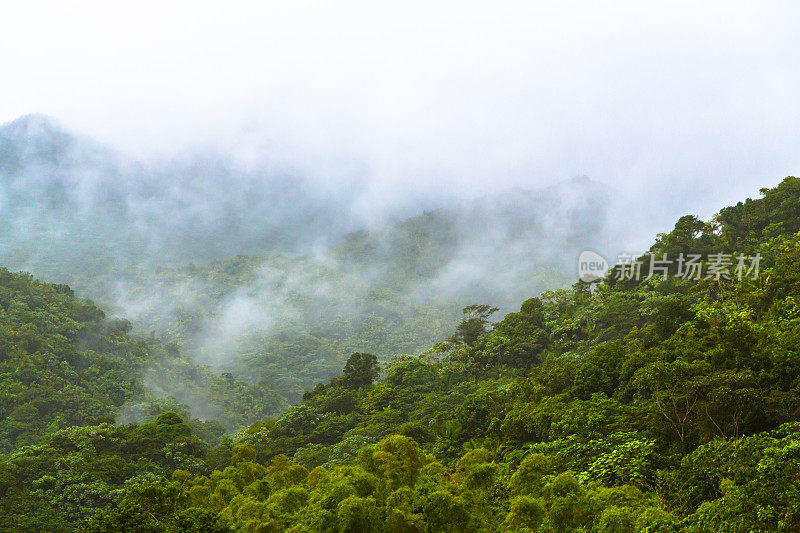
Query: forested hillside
[[664, 403], [63, 363]]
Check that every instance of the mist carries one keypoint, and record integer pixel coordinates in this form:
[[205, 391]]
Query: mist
[[692, 105], [259, 272]]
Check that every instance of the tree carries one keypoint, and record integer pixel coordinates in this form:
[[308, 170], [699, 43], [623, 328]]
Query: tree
[[360, 370], [682, 239], [473, 324], [675, 393]]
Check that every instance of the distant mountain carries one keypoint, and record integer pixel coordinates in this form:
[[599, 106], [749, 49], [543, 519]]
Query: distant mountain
[[260, 274], [73, 209]]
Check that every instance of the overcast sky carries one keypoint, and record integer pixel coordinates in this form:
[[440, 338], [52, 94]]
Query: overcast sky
[[696, 101]]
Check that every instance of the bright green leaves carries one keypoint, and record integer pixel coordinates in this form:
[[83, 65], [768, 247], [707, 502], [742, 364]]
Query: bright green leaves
[[396, 460]]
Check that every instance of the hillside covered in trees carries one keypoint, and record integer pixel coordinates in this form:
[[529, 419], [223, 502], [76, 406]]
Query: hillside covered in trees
[[662, 403], [63, 363]]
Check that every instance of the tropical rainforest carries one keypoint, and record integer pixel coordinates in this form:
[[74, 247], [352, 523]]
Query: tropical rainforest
[[656, 404]]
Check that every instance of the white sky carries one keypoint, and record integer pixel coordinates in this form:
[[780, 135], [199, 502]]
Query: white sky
[[695, 101]]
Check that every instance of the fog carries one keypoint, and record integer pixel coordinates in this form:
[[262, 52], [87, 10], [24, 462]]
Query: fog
[[686, 106], [257, 271]]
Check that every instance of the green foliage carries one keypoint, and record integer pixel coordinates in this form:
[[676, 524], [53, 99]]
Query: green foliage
[[529, 477], [61, 363], [473, 324], [360, 370]]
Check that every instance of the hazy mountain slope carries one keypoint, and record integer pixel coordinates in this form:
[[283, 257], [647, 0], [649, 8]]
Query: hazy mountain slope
[[73, 209], [290, 321], [154, 243]]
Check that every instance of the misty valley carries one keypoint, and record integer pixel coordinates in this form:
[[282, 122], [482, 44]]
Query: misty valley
[[130, 239], [231, 349]]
